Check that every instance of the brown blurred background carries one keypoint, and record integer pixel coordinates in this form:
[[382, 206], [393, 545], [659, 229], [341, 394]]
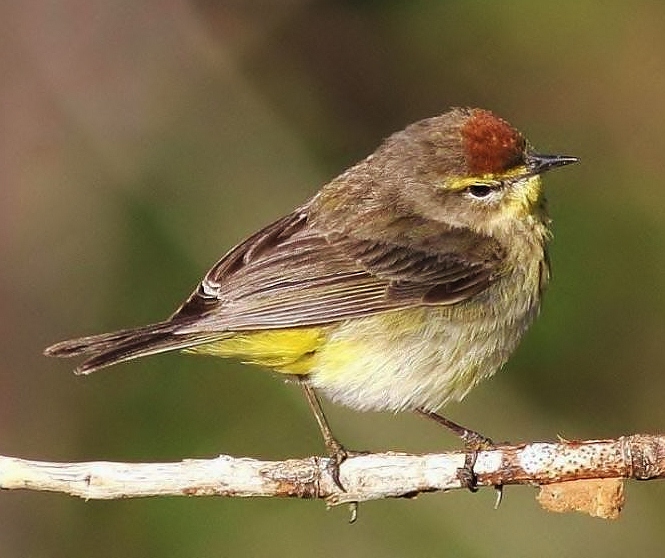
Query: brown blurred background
[[141, 139]]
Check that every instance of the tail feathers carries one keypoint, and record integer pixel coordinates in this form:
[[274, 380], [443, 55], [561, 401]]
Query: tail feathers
[[111, 348]]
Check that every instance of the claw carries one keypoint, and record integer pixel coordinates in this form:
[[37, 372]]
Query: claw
[[499, 495], [466, 474], [337, 456], [353, 511]]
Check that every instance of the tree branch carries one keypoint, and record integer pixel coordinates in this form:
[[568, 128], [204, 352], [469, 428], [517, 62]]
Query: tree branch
[[365, 477]]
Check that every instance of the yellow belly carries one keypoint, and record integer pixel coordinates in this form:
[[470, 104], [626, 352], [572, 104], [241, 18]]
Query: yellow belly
[[290, 351], [409, 359], [400, 360]]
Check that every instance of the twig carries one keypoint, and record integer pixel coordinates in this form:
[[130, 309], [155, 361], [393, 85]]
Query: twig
[[365, 477]]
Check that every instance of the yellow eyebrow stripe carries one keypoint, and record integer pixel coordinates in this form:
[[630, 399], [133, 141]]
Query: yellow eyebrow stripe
[[458, 183]]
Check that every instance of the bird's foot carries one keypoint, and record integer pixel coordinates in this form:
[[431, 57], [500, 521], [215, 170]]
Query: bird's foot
[[474, 442], [338, 454]]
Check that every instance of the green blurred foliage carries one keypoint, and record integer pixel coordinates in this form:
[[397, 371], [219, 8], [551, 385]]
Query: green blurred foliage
[[141, 142]]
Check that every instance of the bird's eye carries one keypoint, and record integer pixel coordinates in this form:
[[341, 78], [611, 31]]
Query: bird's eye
[[479, 190]]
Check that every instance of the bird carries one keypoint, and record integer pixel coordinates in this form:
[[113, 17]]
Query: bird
[[399, 286]]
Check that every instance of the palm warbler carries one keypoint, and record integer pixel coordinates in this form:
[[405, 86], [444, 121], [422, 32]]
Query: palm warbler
[[403, 283]]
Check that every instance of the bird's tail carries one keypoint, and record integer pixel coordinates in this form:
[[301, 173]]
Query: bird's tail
[[111, 348]]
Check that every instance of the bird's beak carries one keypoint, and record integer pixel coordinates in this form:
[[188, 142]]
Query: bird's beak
[[538, 164]]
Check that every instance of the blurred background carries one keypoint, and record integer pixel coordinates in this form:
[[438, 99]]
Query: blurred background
[[142, 139]]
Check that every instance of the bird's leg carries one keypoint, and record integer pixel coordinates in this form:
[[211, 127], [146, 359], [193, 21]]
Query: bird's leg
[[336, 450], [471, 438], [473, 443]]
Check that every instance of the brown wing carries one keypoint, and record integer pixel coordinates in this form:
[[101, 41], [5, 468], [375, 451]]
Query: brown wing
[[293, 274], [290, 274]]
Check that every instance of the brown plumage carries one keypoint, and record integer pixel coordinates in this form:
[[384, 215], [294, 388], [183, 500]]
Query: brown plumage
[[432, 219]]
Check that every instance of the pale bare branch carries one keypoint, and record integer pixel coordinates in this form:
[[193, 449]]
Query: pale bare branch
[[364, 477]]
